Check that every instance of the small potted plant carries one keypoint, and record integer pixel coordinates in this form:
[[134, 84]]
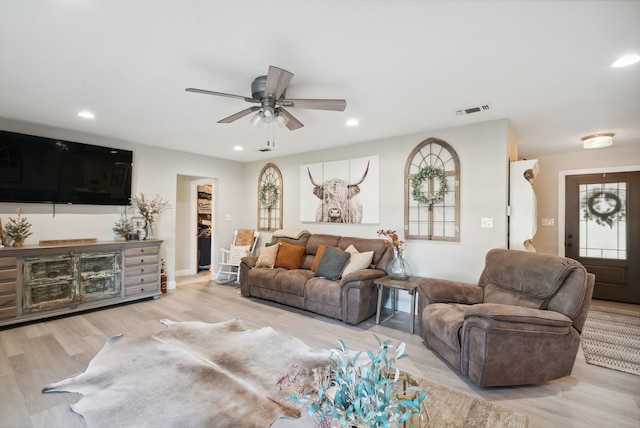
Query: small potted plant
[[122, 227], [18, 229], [365, 392]]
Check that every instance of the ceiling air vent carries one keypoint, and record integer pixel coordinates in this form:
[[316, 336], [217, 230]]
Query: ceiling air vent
[[476, 109]]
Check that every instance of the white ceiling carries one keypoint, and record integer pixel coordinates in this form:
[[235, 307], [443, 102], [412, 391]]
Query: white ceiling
[[404, 67]]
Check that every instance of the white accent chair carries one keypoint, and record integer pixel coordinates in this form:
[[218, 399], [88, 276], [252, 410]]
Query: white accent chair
[[244, 244]]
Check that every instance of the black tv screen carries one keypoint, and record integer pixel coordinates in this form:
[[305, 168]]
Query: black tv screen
[[38, 169]]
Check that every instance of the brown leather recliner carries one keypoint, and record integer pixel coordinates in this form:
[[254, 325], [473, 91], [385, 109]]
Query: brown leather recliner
[[519, 325]]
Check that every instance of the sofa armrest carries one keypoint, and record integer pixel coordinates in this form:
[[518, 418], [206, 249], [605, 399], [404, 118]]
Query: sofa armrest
[[362, 275], [359, 295], [246, 264], [517, 314], [434, 290], [249, 261]]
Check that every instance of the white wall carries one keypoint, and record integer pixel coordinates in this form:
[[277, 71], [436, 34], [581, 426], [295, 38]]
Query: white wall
[[483, 152], [155, 172]]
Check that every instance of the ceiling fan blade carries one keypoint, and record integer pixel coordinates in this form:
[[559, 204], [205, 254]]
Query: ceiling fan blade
[[238, 115], [336, 105], [292, 122], [221, 94], [277, 82]]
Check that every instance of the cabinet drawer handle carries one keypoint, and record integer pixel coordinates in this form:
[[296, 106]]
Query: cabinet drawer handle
[[141, 260], [141, 279], [142, 250], [142, 270]]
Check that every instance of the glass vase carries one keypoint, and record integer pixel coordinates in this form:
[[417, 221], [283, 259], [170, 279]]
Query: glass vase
[[148, 226], [399, 268]]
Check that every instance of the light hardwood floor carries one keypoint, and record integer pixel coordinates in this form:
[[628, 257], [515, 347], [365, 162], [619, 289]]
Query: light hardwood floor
[[35, 354]]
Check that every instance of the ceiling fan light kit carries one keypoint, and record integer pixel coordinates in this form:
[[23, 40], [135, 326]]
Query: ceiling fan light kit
[[597, 141], [270, 92]]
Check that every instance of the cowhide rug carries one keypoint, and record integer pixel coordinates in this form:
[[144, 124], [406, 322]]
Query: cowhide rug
[[193, 374]]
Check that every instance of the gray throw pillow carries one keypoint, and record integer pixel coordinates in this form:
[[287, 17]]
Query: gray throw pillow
[[332, 263]]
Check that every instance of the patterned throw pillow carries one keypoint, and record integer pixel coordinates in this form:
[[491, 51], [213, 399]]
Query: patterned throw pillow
[[237, 252], [332, 263], [289, 256], [267, 256]]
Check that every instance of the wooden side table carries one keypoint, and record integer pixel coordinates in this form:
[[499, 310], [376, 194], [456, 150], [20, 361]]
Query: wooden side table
[[394, 285]]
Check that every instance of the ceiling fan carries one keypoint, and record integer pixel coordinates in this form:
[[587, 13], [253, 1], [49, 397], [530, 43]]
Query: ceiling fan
[[270, 93]]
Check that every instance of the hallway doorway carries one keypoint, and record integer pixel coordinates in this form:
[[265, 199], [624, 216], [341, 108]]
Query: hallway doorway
[[194, 224]]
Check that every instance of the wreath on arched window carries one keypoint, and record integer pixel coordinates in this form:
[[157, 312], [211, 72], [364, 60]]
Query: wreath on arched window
[[269, 195], [427, 173]]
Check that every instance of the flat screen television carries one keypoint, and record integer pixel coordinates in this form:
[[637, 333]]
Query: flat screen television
[[39, 169]]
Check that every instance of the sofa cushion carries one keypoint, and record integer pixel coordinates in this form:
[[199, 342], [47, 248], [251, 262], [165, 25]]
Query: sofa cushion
[[317, 258], [292, 281], [324, 291], [332, 263], [264, 278], [267, 256], [289, 256], [358, 261], [378, 246]]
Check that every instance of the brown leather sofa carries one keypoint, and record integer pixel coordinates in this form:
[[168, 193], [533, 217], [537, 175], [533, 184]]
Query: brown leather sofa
[[519, 325], [352, 298]]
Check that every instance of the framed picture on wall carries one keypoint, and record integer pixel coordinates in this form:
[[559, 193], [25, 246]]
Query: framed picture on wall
[[345, 191]]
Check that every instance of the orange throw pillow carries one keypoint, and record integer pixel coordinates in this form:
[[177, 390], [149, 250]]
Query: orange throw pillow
[[316, 260], [289, 256]]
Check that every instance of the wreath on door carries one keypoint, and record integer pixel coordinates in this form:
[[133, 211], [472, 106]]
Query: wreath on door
[[427, 173]]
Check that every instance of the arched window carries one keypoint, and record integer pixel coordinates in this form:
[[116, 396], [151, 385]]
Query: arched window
[[270, 198], [432, 192]]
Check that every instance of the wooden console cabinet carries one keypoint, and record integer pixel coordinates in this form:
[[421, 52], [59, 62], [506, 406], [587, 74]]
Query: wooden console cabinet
[[43, 281]]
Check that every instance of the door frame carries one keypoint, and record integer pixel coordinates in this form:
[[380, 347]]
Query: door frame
[[562, 190]]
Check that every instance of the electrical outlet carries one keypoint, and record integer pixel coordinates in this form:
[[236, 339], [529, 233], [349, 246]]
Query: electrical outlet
[[227, 217], [547, 221], [487, 222]]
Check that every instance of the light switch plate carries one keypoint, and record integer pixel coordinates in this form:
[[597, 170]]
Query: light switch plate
[[547, 221], [487, 222]]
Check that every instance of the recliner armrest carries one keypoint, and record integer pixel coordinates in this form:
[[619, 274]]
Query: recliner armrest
[[445, 291], [517, 314]]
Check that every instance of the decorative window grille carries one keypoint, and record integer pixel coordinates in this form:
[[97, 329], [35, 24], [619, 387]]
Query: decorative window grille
[[440, 220], [270, 188]]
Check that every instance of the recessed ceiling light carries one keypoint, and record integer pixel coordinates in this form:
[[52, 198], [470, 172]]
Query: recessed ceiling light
[[85, 114], [352, 122], [626, 60], [237, 148]]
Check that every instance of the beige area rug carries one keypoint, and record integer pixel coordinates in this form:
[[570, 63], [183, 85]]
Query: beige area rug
[[611, 338], [195, 374]]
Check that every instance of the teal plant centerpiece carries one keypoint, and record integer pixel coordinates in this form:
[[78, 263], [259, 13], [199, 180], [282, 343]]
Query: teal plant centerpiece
[[364, 389], [399, 268], [18, 229], [149, 209]]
